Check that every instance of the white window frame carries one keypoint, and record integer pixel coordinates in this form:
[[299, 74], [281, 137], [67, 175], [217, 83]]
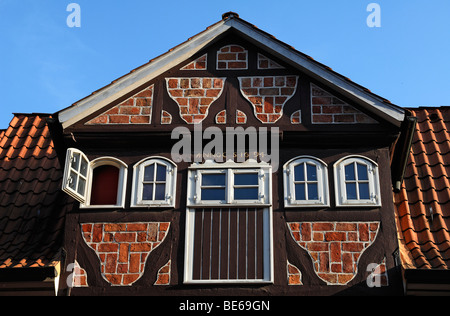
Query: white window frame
[[322, 183], [85, 196], [373, 180], [265, 202], [138, 178], [196, 171], [67, 178]]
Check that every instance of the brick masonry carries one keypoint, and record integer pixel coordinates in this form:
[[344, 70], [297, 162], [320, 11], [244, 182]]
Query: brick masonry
[[198, 64], [334, 247], [268, 95], [135, 110], [166, 117], [294, 276], [232, 57], [221, 117], [267, 63], [123, 248], [241, 118], [194, 96], [164, 274], [327, 109]]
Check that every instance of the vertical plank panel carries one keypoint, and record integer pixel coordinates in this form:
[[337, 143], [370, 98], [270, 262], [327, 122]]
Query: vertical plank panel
[[233, 246], [242, 244], [259, 244], [224, 244], [251, 243], [206, 247], [215, 243], [198, 239]]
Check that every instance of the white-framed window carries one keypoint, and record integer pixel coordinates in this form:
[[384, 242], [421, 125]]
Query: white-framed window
[[357, 182], [229, 224], [100, 183], [305, 182], [154, 182], [229, 183]]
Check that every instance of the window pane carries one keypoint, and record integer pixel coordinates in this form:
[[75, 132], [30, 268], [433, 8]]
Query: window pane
[[313, 193], [75, 161], [84, 167], [246, 194], [299, 172], [351, 191], [81, 186], [300, 191], [213, 194], [213, 179], [147, 192], [160, 192], [149, 173], [350, 172], [73, 181], [160, 173], [364, 191], [311, 172], [362, 172], [246, 179]]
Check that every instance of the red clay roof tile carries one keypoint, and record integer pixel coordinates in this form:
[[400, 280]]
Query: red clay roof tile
[[423, 204], [32, 207]]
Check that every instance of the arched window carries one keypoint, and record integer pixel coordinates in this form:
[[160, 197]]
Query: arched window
[[357, 182], [154, 181], [305, 182], [108, 182]]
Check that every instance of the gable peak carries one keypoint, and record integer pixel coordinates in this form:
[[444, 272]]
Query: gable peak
[[229, 14]]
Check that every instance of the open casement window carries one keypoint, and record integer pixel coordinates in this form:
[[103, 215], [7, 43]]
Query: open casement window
[[357, 182], [99, 183], [229, 224], [305, 182], [154, 182], [76, 175]]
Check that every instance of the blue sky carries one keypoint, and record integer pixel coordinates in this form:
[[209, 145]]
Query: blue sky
[[46, 66]]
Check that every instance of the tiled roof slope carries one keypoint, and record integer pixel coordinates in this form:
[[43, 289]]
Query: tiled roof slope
[[423, 203], [32, 207]]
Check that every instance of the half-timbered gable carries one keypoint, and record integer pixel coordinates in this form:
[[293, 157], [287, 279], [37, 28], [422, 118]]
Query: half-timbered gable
[[232, 160]]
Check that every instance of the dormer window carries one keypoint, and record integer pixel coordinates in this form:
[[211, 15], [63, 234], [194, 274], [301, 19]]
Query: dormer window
[[154, 181], [97, 183], [357, 182]]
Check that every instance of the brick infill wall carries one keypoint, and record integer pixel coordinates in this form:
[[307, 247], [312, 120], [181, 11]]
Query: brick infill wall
[[123, 248], [268, 95], [194, 96], [334, 247], [135, 110], [232, 57], [327, 109]]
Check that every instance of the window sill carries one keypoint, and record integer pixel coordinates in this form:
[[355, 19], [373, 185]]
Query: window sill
[[358, 205], [229, 205], [100, 206], [300, 205]]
